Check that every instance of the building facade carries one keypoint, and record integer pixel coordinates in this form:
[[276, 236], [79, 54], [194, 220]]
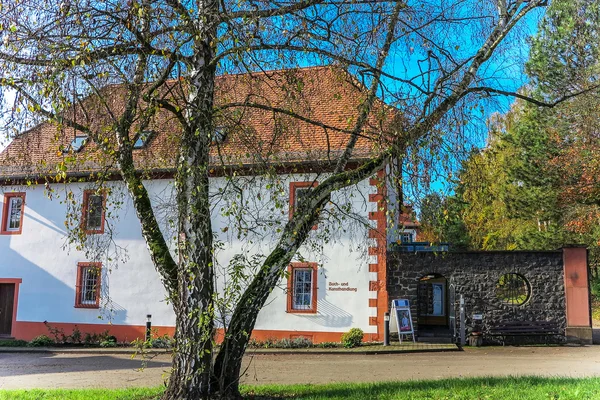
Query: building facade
[[100, 277]]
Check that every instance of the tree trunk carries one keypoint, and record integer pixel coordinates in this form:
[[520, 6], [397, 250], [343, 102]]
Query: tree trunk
[[192, 359], [194, 307], [228, 363]]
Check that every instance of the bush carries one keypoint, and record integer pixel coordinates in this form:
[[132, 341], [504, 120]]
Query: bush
[[13, 343], [109, 341], [352, 338], [162, 342], [41, 341], [296, 343], [328, 345]]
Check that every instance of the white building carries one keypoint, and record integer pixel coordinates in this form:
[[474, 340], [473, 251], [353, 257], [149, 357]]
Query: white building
[[47, 280]]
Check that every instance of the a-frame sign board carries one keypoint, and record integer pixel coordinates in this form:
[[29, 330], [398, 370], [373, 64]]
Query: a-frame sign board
[[401, 309]]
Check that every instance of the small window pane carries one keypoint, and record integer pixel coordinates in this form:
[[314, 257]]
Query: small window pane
[[300, 192], [15, 206], [94, 212], [76, 144], [143, 139], [219, 135], [407, 237]]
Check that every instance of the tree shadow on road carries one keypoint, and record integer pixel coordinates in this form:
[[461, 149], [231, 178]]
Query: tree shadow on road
[[31, 364]]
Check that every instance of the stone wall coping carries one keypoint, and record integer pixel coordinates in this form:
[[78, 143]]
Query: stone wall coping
[[484, 251]]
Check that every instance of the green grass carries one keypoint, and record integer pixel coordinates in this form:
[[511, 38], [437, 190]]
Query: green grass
[[82, 394], [447, 389]]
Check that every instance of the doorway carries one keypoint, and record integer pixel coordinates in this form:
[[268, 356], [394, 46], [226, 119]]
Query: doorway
[[432, 295], [7, 298]]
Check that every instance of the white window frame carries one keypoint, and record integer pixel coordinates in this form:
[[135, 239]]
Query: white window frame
[[410, 232], [85, 289], [9, 216]]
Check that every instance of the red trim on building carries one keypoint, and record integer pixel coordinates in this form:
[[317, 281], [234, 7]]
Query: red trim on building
[[86, 196], [26, 330], [125, 333], [16, 282], [78, 286], [290, 288], [379, 234], [4, 228]]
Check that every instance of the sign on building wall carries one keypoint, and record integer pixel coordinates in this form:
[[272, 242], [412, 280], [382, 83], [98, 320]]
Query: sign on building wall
[[401, 310]]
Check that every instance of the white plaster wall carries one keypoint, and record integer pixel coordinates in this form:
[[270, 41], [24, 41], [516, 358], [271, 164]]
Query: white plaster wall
[[134, 289]]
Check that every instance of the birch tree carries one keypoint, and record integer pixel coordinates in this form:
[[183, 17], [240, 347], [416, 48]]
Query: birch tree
[[66, 61]]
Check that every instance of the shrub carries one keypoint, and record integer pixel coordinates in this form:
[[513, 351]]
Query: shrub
[[352, 338], [13, 343], [90, 339], [328, 345], [109, 341], [163, 342], [41, 341], [296, 343]]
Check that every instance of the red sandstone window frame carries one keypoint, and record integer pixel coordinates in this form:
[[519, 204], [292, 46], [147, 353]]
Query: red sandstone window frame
[[6, 217], [299, 185], [290, 287], [80, 284], [84, 211]]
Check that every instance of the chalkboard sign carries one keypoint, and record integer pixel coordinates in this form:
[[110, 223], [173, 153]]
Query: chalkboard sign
[[401, 309]]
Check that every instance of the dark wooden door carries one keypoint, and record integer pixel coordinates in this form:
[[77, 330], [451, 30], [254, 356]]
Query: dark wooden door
[[7, 295]]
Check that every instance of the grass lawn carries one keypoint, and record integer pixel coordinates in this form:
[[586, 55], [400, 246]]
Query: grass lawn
[[448, 389]]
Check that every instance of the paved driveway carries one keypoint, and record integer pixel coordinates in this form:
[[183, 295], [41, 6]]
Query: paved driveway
[[115, 371]]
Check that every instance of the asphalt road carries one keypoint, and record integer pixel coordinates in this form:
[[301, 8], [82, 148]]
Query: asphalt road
[[56, 370]]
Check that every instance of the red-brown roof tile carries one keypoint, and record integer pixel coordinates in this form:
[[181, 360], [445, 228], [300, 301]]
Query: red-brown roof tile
[[327, 96]]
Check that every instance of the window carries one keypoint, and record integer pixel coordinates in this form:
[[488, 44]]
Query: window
[[89, 279], [12, 213], [76, 144], [407, 237], [297, 191], [143, 139], [219, 135], [93, 211], [513, 289], [302, 288]]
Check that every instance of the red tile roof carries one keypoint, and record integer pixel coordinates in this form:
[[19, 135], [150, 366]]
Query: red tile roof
[[327, 98]]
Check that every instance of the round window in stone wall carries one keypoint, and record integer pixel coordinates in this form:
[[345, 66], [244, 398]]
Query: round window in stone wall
[[513, 289]]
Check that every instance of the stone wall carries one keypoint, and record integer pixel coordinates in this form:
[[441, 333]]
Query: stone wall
[[475, 275]]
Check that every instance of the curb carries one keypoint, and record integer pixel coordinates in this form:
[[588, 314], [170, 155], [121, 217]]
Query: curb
[[250, 352], [349, 353], [59, 350]]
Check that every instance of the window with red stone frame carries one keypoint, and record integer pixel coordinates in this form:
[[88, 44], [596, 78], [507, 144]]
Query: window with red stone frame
[[302, 288], [92, 218], [89, 281], [296, 188], [12, 213]]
